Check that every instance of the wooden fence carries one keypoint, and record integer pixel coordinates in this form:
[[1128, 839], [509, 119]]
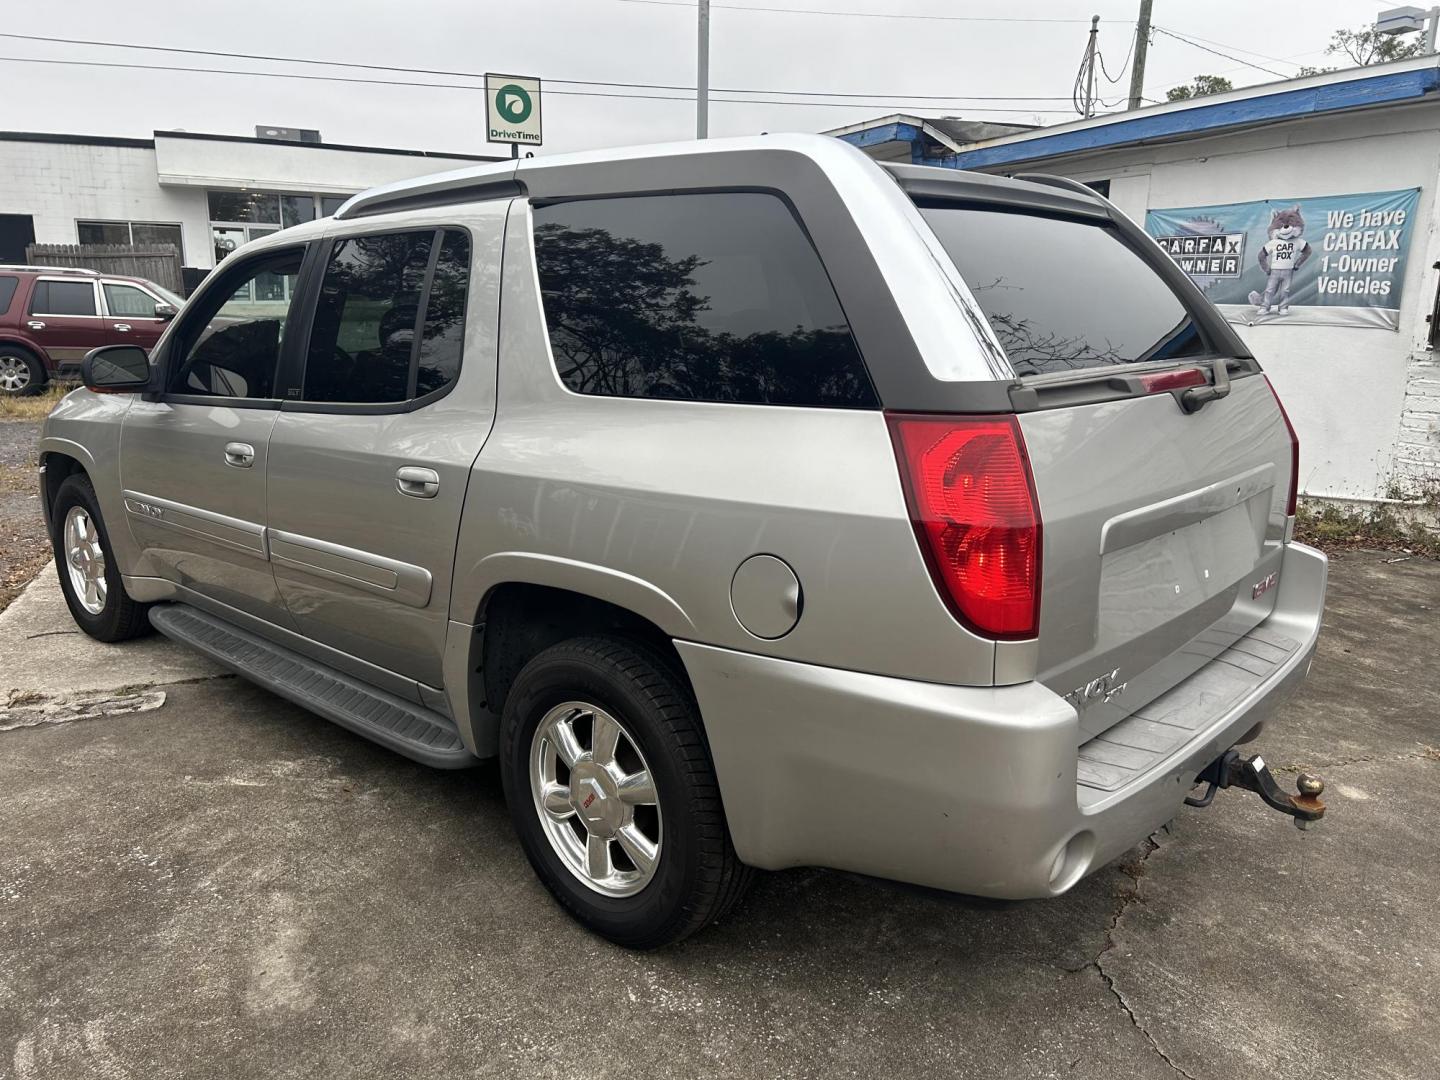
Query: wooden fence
[[159, 263]]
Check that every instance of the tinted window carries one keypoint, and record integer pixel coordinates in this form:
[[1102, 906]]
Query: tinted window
[[235, 332], [128, 300], [444, 335], [102, 232], [63, 298], [1061, 294], [705, 297], [7, 292], [148, 235], [244, 206], [363, 341]]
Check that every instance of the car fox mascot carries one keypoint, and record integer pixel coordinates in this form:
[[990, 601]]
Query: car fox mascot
[[1285, 252]]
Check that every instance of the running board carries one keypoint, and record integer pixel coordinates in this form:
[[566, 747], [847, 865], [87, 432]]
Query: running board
[[400, 725]]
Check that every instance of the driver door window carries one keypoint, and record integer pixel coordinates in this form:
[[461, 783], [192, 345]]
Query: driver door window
[[230, 346]]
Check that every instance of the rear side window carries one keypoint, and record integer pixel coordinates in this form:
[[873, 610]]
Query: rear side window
[[63, 298], [7, 292], [1061, 294], [364, 347], [703, 297]]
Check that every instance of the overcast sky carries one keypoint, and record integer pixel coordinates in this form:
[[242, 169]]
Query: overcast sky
[[628, 41]]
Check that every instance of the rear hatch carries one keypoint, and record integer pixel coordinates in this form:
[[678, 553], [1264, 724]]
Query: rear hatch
[[1161, 520]]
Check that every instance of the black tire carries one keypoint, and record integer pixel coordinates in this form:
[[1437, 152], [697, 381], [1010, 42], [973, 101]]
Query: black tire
[[121, 618], [36, 369], [698, 878]]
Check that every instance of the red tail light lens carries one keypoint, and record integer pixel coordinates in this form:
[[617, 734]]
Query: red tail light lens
[[1292, 497], [973, 503], [1164, 381]]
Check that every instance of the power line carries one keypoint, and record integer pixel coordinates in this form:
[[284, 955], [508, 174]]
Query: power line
[[1217, 52], [473, 88], [858, 14], [481, 74]]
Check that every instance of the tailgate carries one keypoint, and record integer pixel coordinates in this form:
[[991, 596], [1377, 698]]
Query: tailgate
[[1161, 531]]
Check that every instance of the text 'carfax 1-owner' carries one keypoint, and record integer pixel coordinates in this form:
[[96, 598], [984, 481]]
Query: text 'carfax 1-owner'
[[1335, 260], [512, 109]]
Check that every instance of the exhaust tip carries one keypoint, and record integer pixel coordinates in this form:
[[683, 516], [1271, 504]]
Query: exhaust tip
[[1071, 862]]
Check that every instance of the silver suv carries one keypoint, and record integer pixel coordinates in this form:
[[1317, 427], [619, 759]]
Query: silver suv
[[754, 504]]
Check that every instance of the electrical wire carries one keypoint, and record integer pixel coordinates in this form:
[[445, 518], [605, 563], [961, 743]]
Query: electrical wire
[[1217, 52], [473, 88], [481, 74], [856, 14]]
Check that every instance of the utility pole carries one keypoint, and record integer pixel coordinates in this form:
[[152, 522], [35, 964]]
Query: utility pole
[[1142, 45], [1089, 67], [702, 75]]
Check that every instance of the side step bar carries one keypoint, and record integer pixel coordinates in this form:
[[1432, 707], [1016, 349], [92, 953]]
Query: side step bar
[[402, 726]]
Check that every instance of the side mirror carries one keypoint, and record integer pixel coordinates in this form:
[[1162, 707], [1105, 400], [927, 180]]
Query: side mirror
[[164, 310], [117, 369]]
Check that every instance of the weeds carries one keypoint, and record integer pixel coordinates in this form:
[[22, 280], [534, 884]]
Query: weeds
[[1335, 528], [34, 407]]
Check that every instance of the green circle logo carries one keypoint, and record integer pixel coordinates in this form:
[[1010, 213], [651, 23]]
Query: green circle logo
[[513, 104]]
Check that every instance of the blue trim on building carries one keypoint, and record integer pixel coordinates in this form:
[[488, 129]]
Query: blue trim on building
[[1197, 120], [888, 133]]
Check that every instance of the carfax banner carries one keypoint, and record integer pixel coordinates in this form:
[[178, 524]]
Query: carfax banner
[[1337, 260]]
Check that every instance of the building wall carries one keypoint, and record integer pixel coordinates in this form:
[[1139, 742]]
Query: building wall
[[60, 183], [1365, 402]]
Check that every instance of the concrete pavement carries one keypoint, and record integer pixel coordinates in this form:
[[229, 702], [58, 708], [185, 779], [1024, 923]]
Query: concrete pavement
[[224, 885]]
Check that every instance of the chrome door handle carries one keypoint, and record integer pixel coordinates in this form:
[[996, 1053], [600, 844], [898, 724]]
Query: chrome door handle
[[417, 482], [122, 326], [35, 324], [239, 454]]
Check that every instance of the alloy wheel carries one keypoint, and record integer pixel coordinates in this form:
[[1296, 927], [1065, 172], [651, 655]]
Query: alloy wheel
[[596, 798], [85, 560], [14, 373]]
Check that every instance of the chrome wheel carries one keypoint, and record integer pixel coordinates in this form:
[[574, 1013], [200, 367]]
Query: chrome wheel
[[595, 797], [14, 373], [85, 560]]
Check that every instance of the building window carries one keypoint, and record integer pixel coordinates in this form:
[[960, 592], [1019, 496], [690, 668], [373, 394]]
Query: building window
[[239, 216], [1100, 187], [137, 233]]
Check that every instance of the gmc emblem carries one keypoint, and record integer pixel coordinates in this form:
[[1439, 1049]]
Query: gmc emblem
[[1264, 585]]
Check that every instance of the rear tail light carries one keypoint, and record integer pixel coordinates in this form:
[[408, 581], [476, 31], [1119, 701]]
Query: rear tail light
[[1291, 498], [972, 500]]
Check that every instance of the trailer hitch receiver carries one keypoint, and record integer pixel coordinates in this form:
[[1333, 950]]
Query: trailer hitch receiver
[[1252, 774]]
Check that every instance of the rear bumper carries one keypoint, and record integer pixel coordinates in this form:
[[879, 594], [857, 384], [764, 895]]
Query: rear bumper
[[972, 789]]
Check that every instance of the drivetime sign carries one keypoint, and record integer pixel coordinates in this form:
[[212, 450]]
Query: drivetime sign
[[512, 109]]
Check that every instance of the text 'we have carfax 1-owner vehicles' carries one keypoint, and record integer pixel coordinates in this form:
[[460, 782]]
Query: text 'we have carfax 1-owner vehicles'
[[755, 504]]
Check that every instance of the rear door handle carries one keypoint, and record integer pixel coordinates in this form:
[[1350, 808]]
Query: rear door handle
[[239, 454], [35, 324], [417, 482], [122, 326]]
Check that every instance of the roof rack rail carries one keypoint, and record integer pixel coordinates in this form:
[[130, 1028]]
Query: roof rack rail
[[79, 270]]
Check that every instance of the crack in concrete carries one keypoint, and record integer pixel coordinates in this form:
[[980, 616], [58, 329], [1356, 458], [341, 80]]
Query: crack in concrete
[[1429, 753], [1135, 870]]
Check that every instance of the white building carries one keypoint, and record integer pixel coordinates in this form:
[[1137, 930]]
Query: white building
[[205, 193], [1365, 399]]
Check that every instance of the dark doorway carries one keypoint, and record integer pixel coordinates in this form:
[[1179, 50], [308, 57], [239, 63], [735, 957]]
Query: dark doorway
[[17, 231]]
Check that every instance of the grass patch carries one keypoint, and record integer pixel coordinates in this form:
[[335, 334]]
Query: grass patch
[[35, 406], [1334, 528]]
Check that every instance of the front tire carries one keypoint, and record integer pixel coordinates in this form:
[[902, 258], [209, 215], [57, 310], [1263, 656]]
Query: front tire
[[612, 792], [85, 561], [21, 372]]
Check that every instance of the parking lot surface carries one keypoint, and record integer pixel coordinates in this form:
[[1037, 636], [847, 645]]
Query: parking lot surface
[[220, 884]]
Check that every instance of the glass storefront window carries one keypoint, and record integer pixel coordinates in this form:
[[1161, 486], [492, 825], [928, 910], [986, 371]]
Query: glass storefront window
[[331, 203], [253, 206], [295, 209]]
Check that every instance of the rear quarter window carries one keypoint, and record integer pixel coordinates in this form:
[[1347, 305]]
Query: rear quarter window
[[7, 293], [1063, 294], [715, 296]]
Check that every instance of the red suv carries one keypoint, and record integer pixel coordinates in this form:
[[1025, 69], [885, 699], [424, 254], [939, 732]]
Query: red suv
[[50, 317]]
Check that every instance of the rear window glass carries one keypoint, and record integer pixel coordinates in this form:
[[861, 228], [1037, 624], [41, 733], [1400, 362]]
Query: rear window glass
[[63, 298], [7, 292], [1063, 295], [715, 296]]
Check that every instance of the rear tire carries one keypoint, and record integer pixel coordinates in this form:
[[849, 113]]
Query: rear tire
[[21, 372], [85, 561], [672, 871]]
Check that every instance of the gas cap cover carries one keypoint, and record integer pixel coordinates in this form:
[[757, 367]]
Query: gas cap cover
[[766, 597]]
